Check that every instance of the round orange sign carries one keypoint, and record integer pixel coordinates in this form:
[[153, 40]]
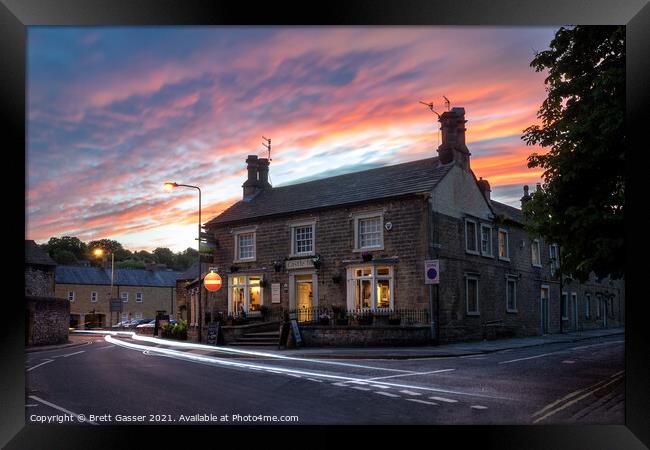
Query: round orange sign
[[212, 282]]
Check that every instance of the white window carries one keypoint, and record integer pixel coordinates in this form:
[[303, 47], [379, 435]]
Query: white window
[[93, 297], [125, 297], [125, 317], [138, 315], [587, 306], [511, 294], [368, 230], [565, 306], [244, 294], [138, 297], [504, 250], [471, 295], [370, 287], [471, 245], [245, 244], [486, 240], [553, 256], [535, 255], [71, 296], [302, 238]]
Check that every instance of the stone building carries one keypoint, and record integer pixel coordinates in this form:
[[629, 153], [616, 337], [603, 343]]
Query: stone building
[[360, 240], [46, 317], [88, 290]]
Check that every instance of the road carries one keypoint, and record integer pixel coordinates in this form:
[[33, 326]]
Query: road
[[119, 380]]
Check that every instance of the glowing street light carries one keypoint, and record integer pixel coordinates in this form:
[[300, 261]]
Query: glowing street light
[[168, 187]]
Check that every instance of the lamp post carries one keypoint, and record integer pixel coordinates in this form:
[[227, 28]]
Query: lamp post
[[168, 187], [99, 252]]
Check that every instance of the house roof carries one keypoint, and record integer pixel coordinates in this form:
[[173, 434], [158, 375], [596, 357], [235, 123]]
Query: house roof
[[35, 255], [384, 182], [508, 212], [190, 274], [122, 277]]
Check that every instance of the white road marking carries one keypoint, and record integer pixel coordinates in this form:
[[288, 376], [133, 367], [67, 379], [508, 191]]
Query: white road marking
[[478, 407], [421, 401], [411, 374], [575, 400], [380, 386], [314, 379], [29, 405], [52, 405], [108, 346], [282, 370], [69, 354], [568, 361], [294, 375], [443, 399], [39, 365], [340, 384], [531, 357], [359, 388], [596, 345], [410, 392], [387, 394]]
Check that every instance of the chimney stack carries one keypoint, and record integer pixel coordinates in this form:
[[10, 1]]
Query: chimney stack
[[251, 184], [526, 196], [484, 186], [263, 167], [453, 148]]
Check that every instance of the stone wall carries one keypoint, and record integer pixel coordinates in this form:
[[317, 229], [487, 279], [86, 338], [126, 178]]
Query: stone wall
[[39, 280], [46, 321], [364, 336]]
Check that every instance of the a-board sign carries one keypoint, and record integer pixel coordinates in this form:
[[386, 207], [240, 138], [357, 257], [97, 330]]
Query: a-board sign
[[213, 333], [296, 332]]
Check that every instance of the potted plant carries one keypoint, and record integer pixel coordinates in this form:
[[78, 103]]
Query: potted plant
[[394, 319], [339, 315], [277, 265], [366, 256], [324, 319]]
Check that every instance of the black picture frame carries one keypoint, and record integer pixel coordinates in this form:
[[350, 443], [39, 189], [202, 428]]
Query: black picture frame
[[16, 15]]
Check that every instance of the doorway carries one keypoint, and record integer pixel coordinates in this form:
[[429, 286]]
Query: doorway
[[304, 298], [574, 308], [544, 309]]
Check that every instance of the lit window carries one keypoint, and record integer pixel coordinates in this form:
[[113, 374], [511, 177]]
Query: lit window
[[71, 296], [245, 246], [125, 297], [93, 297], [470, 236], [138, 297], [535, 256], [471, 295], [511, 295], [245, 294], [486, 240], [370, 232], [372, 287], [504, 252], [303, 240]]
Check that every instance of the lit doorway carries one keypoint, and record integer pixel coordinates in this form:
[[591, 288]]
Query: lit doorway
[[304, 297]]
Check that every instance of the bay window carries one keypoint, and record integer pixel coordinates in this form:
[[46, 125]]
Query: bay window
[[370, 287], [244, 294]]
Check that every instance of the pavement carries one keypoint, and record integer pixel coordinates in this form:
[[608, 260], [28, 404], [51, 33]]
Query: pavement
[[432, 351], [74, 340]]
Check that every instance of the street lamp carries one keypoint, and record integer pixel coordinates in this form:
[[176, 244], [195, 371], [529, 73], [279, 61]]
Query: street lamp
[[99, 252], [168, 187]]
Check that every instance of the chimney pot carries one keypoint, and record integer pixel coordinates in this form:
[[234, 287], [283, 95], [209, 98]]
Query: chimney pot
[[263, 168], [453, 148], [526, 196], [251, 183]]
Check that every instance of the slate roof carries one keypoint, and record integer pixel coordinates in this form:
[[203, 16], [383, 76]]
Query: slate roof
[[510, 213], [190, 274], [123, 277], [373, 184], [35, 255]]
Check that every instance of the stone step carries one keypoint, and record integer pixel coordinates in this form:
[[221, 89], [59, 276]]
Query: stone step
[[257, 338], [263, 334], [255, 344]]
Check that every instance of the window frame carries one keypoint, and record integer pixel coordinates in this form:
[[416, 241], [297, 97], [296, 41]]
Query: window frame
[[469, 277], [363, 216], [476, 240], [125, 297], [511, 279], [239, 232], [587, 305], [247, 285], [374, 277], [554, 264], [507, 244], [302, 224], [93, 294], [71, 296], [136, 297], [564, 306], [489, 228], [535, 243]]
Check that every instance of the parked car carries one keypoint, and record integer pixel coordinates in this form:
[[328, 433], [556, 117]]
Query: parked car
[[150, 324], [122, 324], [134, 323]]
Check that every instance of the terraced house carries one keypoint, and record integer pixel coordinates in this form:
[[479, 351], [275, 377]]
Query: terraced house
[[360, 241], [143, 293]]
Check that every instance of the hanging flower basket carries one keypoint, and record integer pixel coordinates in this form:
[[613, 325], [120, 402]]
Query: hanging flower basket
[[366, 256]]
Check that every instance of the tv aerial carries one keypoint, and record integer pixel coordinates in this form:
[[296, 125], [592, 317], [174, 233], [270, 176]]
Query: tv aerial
[[267, 146], [430, 105]]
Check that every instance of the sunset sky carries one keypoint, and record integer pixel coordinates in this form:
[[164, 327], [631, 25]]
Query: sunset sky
[[115, 112]]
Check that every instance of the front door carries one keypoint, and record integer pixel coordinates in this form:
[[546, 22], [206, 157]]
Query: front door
[[574, 307], [544, 313], [304, 298], [604, 309]]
